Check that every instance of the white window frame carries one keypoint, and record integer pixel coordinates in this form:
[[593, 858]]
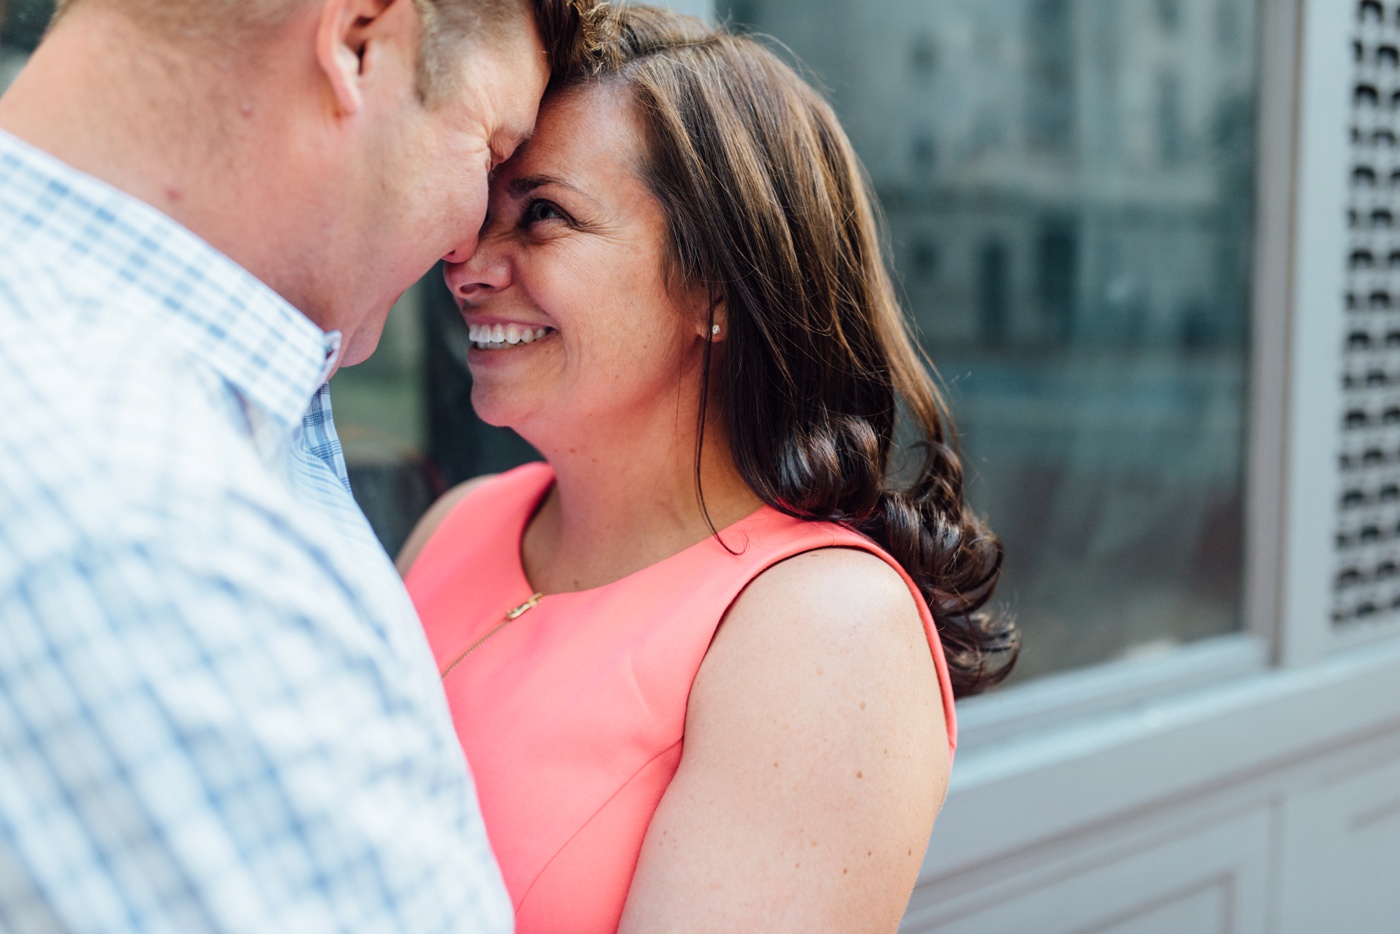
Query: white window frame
[[1295, 404], [1087, 748]]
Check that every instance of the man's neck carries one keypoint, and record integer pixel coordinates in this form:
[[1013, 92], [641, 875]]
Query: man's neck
[[113, 101]]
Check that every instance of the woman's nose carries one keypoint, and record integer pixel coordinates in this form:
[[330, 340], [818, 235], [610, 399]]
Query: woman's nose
[[485, 269]]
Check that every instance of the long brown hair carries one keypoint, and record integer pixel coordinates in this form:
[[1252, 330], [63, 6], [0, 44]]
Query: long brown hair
[[769, 209]]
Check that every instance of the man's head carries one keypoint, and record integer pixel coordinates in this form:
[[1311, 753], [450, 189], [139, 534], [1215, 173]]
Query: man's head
[[346, 142], [567, 28]]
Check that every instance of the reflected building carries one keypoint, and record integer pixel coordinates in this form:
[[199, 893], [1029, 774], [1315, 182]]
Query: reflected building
[[1068, 185], [1069, 190], [1052, 170]]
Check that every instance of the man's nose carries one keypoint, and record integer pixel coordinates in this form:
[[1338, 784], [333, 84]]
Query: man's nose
[[464, 249], [487, 267]]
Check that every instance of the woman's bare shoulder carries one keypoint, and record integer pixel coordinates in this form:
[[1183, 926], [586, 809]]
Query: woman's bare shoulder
[[814, 728], [830, 593], [432, 519], [843, 612]]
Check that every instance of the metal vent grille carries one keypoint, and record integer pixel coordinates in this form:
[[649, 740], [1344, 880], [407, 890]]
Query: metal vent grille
[[1367, 585]]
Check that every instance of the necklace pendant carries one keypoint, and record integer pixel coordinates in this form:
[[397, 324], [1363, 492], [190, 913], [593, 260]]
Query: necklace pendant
[[525, 607], [513, 614]]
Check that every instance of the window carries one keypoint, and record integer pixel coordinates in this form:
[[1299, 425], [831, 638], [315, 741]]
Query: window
[[923, 153], [923, 56], [22, 22], [1050, 74], [923, 257], [1086, 303], [1091, 202], [1169, 15], [1170, 135], [1056, 258], [993, 307]]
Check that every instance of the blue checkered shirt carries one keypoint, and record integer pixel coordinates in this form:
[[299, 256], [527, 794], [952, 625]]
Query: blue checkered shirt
[[218, 711]]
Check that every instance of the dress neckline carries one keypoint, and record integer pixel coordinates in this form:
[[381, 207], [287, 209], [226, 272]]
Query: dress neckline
[[522, 579]]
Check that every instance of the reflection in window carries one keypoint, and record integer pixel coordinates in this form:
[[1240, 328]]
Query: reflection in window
[[993, 305], [923, 56], [1169, 130], [922, 152], [1229, 32], [1067, 184], [1169, 15], [1050, 71], [1056, 273], [923, 258], [22, 22], [1091, 207]]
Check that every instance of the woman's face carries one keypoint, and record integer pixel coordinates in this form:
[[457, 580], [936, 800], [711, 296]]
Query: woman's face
[[573, 327]]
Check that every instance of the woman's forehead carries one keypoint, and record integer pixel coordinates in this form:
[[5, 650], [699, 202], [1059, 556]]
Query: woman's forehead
[[592, 128]]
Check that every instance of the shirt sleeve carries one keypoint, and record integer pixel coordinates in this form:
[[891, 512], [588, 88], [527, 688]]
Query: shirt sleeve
[[206, 735]]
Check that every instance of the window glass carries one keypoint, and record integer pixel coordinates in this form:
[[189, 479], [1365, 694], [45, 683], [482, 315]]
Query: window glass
[[1068, 186], [22, 22]]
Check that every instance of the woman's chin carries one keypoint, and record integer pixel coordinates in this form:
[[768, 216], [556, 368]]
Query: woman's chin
[[496, 405]]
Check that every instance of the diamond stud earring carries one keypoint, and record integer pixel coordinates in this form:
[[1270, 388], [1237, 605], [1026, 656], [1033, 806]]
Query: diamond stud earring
[[714, 329]]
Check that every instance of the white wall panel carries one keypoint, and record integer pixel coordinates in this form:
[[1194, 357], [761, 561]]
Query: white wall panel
[[1047, 786], [1106, 823], [1342, 854], [1210, 880], [1207, 909]]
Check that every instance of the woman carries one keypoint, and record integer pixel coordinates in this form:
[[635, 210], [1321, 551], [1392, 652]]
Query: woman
[[693, 660]]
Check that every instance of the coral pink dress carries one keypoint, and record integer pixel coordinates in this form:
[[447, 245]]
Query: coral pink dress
[[573, 713]]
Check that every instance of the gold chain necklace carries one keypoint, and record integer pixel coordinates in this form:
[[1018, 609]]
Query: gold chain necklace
[[511, 616]]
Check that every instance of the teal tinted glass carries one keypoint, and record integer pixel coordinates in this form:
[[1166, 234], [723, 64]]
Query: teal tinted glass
[[1068, 185]]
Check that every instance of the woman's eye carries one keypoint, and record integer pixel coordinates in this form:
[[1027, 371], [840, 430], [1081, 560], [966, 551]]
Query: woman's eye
[[541, 211]]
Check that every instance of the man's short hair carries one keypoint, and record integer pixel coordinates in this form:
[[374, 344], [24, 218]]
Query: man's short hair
[[569, 29], [572, 31]]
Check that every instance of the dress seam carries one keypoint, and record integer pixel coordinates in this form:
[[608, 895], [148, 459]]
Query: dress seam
[[581, 827]]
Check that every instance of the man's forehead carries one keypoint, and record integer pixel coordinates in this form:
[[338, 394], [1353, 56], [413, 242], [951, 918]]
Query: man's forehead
[[510, 140]]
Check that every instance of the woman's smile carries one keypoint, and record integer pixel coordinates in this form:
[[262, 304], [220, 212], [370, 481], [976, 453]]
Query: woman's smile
[[505, 336]]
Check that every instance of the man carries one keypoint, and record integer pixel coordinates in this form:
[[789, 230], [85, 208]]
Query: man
[[217, 710]]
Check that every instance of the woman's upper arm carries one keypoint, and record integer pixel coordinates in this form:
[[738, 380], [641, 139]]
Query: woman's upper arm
[[427, 525], [815, 760]]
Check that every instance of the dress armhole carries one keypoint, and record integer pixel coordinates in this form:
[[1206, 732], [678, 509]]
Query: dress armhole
[[427, 528], [842, 537], [463, 511]]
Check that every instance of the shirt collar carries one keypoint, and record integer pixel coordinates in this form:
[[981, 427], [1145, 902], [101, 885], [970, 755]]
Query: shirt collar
[[111, 243]]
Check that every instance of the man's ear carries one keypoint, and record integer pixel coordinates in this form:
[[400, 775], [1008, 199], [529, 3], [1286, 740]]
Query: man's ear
[[343, 36]]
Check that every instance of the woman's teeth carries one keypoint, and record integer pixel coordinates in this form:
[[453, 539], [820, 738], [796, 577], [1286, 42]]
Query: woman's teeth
[[500, 336]]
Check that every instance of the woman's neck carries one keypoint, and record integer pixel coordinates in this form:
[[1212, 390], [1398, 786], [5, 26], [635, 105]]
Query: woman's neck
[[622, 503]]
